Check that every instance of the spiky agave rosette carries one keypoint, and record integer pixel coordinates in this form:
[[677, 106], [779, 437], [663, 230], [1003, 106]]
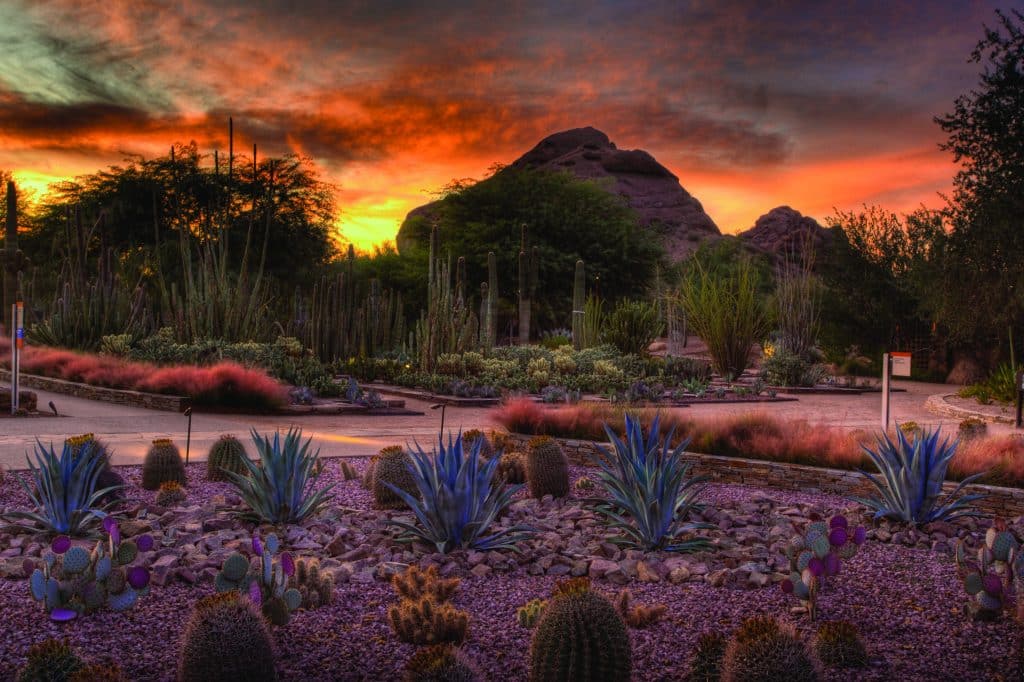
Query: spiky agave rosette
[[992, 580], [818, 555], [73, 581]]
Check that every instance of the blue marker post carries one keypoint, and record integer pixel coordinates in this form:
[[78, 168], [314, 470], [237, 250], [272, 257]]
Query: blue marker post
[[17, 342]]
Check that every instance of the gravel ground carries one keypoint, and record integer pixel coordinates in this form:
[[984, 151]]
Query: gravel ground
[[907, 603]]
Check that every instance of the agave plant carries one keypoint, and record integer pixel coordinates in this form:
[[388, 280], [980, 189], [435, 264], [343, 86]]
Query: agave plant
[[65, 497], [457, 501], [912, 473], [278, 487], [649, 490]]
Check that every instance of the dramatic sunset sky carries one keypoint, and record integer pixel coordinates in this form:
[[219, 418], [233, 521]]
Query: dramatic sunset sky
[[752, 104]]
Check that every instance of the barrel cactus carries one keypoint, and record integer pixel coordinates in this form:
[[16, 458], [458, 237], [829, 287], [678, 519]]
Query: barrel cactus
[[547, 468], [440, 663], [763, 650], [108, 478], [393, 466], [839, 645], [170, 494], [706, 663], [50, 661], [162, 463], [993, 579], [226, 638], [511, 468], [580, 636], [100, 672], [473, 435], [225, 455]]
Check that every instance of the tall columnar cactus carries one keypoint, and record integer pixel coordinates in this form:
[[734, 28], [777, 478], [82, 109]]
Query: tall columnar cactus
[[226, 638], [14, 261], [392, 466], [763, 650], [993, 580], [818, 555], [580, 636], [265, 581], [448, 325], [73, 581], [579, 299], [225, 455], [529, 267], [162, 463], [492, 300], [547, 468]]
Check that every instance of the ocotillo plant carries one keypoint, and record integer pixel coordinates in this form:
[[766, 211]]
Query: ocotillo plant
[[578, 301], [529, 265]]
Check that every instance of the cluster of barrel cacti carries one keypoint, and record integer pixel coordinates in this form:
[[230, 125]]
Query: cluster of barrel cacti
[[225, 455], [580, 635], [392, 465], [424, 614], [472, 436], [54, 660], [73, 580], [547, 468], [315, 586], [817, 555], [992, 580], [162, 463], [226, 638], [264, 580], [511, 468]]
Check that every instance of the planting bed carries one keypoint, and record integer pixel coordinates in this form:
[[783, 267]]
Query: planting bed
[[900, 590]]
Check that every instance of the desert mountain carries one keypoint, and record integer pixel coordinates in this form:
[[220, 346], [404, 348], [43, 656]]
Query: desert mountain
[[783, 231], [649, 188]]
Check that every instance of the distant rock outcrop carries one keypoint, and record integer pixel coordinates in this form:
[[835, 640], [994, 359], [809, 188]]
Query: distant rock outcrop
[[783, 230], [649, 188]]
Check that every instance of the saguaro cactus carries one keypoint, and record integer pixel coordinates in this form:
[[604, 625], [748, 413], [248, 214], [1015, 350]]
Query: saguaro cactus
[[13, 259], [578, 301], [492, 299], [528, 275]]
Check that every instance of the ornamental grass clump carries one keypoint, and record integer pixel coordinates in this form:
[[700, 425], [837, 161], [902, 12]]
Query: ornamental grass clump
[[649, 493], [912, 473], [457, 500], [279, 486], [64, 494]]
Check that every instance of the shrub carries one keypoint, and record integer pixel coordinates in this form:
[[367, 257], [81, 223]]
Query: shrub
[[650, 493], [838, 645], [912, 474], [632, 326], [65, 494], [226, 638], [440, 663], [683, 369], [580, 636], [51, 660], [225, 455], [972, 428], [547, 468], [170, 494], [458, 500], [162, 463], [1001, 385], [392, 470], [763, 650], [784, 368], [725, 310], [279, 487]]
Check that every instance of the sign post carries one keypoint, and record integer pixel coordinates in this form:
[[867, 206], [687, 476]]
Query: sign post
[[893, 365], [17, 342]]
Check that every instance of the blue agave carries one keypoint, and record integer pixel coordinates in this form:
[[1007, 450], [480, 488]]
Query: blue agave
[[649, 488], [279, 487], [458, 500], [65, 496], [912, 473]]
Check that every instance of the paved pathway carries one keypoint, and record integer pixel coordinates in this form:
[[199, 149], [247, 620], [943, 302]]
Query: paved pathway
[[129, 430]]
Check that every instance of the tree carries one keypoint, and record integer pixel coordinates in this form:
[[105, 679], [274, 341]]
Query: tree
[[984, 274]]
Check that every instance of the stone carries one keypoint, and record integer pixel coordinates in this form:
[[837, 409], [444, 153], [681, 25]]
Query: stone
[[600, 567], [679, 575], [648, 571], [480, 570]]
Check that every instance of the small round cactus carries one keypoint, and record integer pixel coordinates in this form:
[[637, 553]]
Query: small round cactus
[[838, 645], [706, 663], [170, 494], [162, 463], [547, 468], [393, 466], [764, 651], [469, 438], [511, 468], [49, 660], [227, 454]]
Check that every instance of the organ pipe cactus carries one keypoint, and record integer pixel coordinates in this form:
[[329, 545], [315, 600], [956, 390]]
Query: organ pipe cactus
[[264, 580], [992, 580], [818, 555], [73, 581]]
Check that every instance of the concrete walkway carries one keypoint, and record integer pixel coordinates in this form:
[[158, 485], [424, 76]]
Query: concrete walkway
[[130, 430]]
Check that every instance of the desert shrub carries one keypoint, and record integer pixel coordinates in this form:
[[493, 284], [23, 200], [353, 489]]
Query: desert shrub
[[632, 326], [683, 369], [727, 312], [1001, 385]]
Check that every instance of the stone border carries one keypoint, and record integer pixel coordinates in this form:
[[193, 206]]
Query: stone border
[[152, 401], [938, 405], [1000, 501]]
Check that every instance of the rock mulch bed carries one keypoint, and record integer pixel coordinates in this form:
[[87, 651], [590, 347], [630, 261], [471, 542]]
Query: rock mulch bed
[[901, 590]]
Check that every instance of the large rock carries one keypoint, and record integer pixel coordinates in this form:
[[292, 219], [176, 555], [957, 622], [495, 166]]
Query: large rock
[[649, 188], [784, 231]]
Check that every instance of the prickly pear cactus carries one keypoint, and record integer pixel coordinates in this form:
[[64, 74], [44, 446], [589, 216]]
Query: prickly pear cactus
[[818, 555], [992, 580], [263, 580]]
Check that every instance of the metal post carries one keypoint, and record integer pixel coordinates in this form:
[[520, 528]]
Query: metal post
[[188, 435], [886, 371], [1020, 397], [17, 341]]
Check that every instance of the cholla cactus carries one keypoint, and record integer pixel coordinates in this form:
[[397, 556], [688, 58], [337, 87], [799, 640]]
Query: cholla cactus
[[818, 555], [73, 581], [528, 614], [262, 579], [992, 579]]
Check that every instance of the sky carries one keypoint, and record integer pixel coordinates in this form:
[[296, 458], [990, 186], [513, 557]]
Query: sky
[[820, 106]]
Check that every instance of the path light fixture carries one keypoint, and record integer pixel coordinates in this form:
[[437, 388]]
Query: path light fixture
[[188, 435], [442, 407], [54, 408]]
